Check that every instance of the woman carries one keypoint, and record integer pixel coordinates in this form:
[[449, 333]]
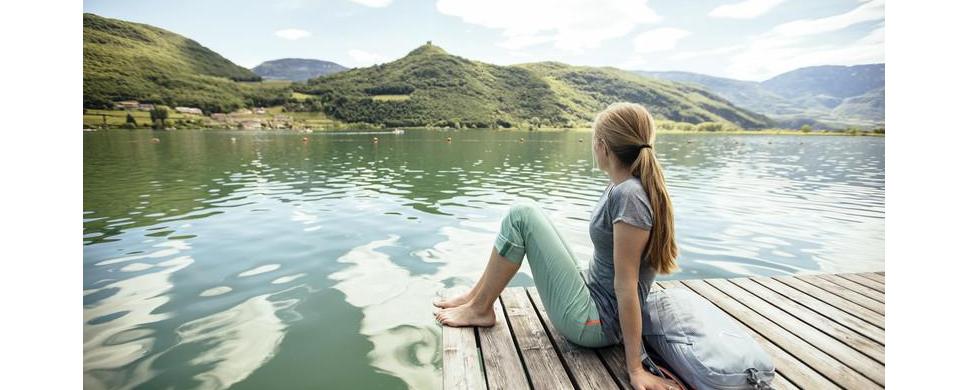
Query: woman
[[633, 235]]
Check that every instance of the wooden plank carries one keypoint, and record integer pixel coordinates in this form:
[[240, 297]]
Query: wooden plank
[[802, 350], [614, 358], [780, 382], [850, 295], [502, 367], [864, 281], [540, 358], [832, 329], [462, 364], [848, 356], [780, 357], [853, 286], [585, 366], [822, 307], [837, 301], [875, 277]]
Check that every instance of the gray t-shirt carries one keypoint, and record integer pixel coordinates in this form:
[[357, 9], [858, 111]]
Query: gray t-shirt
[[626, 202]]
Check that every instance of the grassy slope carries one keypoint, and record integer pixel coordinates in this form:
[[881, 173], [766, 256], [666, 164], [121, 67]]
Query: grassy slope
[[448, 89], [124, 60], [584, 91]]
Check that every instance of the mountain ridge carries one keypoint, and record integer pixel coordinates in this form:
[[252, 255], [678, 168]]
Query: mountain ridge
[[430, 85], [826, 95], [296, 69]]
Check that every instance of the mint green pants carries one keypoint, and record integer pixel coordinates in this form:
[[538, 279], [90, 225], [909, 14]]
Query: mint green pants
[[527, 231]]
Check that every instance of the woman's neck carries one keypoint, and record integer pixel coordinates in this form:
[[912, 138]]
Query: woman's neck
[[619, 176]]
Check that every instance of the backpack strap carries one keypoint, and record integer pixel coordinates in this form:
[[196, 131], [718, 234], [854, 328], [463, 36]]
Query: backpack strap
[[753, 377], [650, 365]]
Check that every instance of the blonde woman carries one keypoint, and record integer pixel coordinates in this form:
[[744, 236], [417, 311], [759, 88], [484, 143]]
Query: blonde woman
[[633, 234]]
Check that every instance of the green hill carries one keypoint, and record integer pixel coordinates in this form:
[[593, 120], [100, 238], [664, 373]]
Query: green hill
[[431, 87], [132, 61]]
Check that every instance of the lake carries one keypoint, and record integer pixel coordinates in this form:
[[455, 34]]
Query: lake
[[256, 260]]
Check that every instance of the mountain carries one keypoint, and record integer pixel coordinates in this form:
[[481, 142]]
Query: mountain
[[431, 86], [296, 69], [828, 96], [828, 80], [133, 61]]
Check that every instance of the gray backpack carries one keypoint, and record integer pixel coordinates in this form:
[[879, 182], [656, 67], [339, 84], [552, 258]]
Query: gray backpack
[[707, 348]]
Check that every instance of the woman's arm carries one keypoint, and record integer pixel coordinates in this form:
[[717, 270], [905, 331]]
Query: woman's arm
[[629, 243]]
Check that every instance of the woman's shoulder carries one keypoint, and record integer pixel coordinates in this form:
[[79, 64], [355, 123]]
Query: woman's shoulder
[[630, 203], [630, 187]]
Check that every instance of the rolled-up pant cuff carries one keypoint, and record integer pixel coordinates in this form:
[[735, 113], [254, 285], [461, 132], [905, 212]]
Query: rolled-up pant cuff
[[509, 249]]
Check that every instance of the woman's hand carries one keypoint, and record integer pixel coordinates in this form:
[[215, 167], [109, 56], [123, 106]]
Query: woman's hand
[[644, 380]]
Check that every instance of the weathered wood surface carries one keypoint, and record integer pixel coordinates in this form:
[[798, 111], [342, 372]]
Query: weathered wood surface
[[822, 331]]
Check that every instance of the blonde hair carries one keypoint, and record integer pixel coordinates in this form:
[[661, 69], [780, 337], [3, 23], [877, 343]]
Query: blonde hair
[[625, 128]]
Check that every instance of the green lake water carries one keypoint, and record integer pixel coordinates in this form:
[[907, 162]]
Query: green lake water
[[254, 260]]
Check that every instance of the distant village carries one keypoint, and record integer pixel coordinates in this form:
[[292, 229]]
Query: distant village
[[257, 118]]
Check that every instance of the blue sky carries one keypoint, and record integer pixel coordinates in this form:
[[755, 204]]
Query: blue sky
[[744, 39]]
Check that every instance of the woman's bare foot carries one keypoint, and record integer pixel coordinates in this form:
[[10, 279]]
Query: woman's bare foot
[[454, 301], [466, 315]]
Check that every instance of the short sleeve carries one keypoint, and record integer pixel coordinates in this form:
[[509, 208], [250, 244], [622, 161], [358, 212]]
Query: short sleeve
[[630, 204]]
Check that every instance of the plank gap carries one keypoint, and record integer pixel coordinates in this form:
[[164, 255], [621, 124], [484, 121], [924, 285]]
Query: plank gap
[[517, 348], [554, 345]]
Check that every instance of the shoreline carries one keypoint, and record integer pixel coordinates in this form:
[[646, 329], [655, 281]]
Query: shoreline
[[302, 122], [783, 132]]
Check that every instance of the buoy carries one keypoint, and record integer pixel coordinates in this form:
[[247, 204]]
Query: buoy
[[233, 139], [375, 140], [155, 140], [305, 139], [448, 139], [580, 140], [520, 139]]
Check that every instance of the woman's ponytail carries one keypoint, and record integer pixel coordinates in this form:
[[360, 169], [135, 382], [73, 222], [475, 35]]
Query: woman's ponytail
[[661, 250]]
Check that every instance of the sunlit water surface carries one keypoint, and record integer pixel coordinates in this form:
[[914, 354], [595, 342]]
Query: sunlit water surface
[[256, 260]]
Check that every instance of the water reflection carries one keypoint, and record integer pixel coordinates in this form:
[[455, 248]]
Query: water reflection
[[238, 340], [213, 264]]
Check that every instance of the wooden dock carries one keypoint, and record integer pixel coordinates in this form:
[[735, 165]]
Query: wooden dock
[[823, 332]]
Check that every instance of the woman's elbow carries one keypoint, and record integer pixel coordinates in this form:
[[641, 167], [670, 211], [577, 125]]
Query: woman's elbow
[[623, 289]]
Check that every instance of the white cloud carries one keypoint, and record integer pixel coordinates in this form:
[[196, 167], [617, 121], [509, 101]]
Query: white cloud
[[373, 3], [293, 34], [719, 51], [747, 9], [869, 11], [762, 60], [361, 57], [786, 46], [571, 25], [660, 39]]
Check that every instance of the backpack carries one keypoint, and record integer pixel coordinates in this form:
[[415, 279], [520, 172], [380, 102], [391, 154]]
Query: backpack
[[706, 347]]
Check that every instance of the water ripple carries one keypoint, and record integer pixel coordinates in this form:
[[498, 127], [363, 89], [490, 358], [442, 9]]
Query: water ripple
[[210, 263]]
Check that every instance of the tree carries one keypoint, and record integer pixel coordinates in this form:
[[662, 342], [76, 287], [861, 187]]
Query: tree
[[806, 128], [710, 126], [158, 117]]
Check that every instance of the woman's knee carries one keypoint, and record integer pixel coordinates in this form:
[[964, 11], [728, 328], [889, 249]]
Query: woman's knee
[[524, 209]]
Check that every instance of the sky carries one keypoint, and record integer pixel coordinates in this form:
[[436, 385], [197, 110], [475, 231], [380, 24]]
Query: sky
[[741, 39]]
